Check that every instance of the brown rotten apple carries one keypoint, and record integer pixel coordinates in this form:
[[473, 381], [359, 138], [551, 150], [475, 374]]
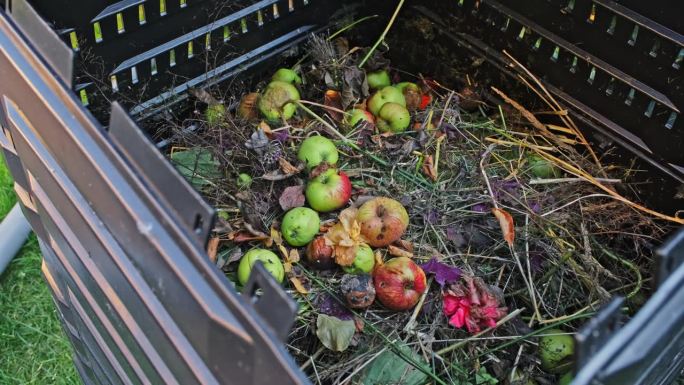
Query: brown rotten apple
[[319, 254], [399, 283], [383, 221]]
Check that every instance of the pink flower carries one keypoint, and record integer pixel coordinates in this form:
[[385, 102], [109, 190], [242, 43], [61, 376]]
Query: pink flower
[[472, 304]]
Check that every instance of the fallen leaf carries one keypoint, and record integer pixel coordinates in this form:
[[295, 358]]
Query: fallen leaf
[[399, 252], [293, 257], [378, 258], [406, 245], [444, 273], [506, 223], [429, 168], [197, 165], [425, 101], [247, 108], [334, 333], [298, 285], [345, 236], [390, 368], [245, 236], [212, 248], [333, 99], [276, 236], [292, 197], [287, 168]]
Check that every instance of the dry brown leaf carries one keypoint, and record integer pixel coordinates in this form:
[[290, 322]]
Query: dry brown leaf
[[212, 248], [333, 99], [399, 252], [429, 168], [297, 283], [378, 258], [245, 236], [406, 245], [292, 197], [345, 236], [247, 108], [506, 223], [276, 236], [287, 168], [294, 256]]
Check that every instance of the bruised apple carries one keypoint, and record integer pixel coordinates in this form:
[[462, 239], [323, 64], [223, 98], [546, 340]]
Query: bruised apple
[[319, 254], [356, 115], [277, 101], [329, 191], [393, 117], [383, 221], [399, 283]]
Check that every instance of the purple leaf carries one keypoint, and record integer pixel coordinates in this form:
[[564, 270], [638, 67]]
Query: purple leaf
[[431, 217], [480, 208], [334, 308], [443, 273]]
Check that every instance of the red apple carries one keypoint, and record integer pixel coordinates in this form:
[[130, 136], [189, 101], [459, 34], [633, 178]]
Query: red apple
[[328, 191], [383, 221], [319, 254], [399, 283]]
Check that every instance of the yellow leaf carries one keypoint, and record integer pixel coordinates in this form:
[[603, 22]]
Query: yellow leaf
[[298, 285], [294, 256], [506, 223], [276, 236]]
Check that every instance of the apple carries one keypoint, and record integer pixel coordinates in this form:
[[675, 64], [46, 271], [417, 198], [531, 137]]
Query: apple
[[378, 79], [300, 225], [316, 150], [328, 191], [358, 290], [319, 254], [277, 101], [393, 117], [270, 261], [215, 114], [412, 94], [244, 181], [399, 283], [556, 351], [388, 94], [364, 261], [541, 168], [566, 379], [383, 221], [353, 117], [287, 75]]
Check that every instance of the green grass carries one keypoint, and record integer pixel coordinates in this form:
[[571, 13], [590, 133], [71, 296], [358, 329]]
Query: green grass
[[33, 348]]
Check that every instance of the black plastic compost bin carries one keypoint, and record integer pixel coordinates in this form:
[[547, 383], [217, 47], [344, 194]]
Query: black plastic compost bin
[[123, 235]]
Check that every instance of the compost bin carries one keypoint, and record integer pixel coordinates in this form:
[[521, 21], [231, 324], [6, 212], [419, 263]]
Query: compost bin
[[104, 102]]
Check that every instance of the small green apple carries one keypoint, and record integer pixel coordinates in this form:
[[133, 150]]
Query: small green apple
[[393, 117], [328, 191], [388, 94], [287, 75], [353, 117], [244, 181], [556, 351], [541, 168], [364, 261], [316, 150], [215, 114], [300, 225], [270, 261], [566, 379], [378, 79], [277, 101]]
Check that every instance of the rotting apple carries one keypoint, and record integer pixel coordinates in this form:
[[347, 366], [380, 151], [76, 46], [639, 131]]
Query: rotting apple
[[383, 221], [393, 117], [328, 191], [319, 254], [556, 350], [270, 261], [364, 261], [378, 79], [317, 149], [388, 94], [541, 168], [277, 101], [300, 225], [287, 75], [354, 116], [358, 290], [215, 114], [399, 283], [412, 94]]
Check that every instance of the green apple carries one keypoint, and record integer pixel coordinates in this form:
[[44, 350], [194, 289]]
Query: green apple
[[388, 94], [277, 101], [378, 79], [556, 351], [353, 117], [215, 114], [364, 261], [566, 379], [328, 191], [403, 86], [393, 117], [287, 75], [244, 181], [300, 226], [270, 261], [316, 150], [541, 168]]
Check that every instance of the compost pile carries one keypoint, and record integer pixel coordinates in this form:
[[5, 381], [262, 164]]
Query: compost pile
[[429, 236]]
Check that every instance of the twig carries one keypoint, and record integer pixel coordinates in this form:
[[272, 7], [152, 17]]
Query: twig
[[382, 36], [412, 321], [570, 180], [457, 345], [350, 26], [312, 358]]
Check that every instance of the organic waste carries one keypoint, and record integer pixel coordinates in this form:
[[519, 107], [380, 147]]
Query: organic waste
[[440, 233]]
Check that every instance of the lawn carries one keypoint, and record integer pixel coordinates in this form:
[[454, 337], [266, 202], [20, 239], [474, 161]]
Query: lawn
[[33, 348]]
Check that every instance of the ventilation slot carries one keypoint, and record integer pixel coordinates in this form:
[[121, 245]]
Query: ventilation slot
[[120, 28], [633, 38], [134, 75], [115, 83], [141, 14], [671, 120], [84, 97], [153, 66], [97, 29], [73, 38], [649, 109], [183, 3], [172, 58], [162, 7]]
